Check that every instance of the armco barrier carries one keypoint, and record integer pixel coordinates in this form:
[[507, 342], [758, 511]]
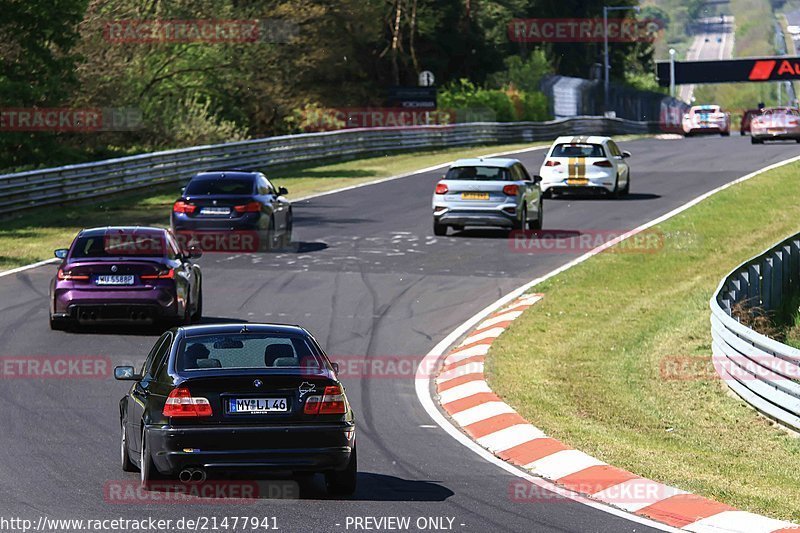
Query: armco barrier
[[105, 178], [761, 370]]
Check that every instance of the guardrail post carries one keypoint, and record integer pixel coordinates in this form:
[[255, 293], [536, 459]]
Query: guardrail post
[[766, 284], [776, 279]]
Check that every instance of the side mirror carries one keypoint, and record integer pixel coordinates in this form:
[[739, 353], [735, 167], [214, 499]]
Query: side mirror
[[283, 191], [183, 190], [626, 154], [537, 179], [335, 367], [126, 373], [61, 253], [195, 252]]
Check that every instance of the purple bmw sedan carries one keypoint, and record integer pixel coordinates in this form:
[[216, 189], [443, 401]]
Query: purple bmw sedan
[[126, 274]]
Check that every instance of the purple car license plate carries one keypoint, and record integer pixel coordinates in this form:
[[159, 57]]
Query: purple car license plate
[[114, 280]]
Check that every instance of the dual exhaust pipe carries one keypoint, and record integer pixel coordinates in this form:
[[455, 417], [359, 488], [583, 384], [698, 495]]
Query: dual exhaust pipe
[[192, 475]]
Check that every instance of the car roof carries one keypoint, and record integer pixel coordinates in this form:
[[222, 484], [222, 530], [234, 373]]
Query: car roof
[[499, 162], [705, 106], [241, 327], [222, 174], [589, 139], [94, 232]]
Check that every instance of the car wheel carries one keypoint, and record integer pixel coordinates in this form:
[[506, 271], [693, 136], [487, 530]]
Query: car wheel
[[148, 473], [616, 191], [627, 189], [197, 316], [753, 140], [439, 229], [286, 239], [59, 324], [343, 483], [726, 134], [539, 222], [522, 222], [125, 458]]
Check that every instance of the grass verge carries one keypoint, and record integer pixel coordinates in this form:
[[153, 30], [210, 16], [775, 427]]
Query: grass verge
[[33, 235], [590, 363]]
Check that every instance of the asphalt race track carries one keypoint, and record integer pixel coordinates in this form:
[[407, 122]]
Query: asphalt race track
[[368, 279]]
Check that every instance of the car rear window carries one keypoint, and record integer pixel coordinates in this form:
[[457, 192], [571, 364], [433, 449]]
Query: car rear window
[[578, 150], [477, 173], [120, 244], [204, 186], [247, 351]]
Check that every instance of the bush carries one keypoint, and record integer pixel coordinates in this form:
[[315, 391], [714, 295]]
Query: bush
[[509, 104]]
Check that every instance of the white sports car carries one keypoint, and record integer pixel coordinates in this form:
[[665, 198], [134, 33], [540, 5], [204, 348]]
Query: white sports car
[[584, 163]]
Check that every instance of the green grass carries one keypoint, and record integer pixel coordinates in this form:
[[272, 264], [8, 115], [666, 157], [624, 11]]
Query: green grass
[[585, 364], [33, 235]]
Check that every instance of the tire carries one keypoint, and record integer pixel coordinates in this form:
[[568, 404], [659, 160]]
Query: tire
[[439, 230], [125, 458], [148, 473], [197, 316], [617, 192], [59, 324], [539, 222], [627, 188], [753, 140], [726, 133], [343, 482], [286, 238], [522, 222]]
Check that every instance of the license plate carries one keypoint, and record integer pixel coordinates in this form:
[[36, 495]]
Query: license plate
[[474, 195], [114, 280], [257, 405], [215, 211], [577, 181], [775, 131]]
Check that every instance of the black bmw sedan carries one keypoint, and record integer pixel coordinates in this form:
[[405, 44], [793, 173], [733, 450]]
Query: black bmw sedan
[[224, 203], [223, 398]]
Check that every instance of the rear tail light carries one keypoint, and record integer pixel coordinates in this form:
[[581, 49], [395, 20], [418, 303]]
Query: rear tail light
[[164, 274], [184, 207], [510, 190], [181, 404], [331, 402], [441, 188], [249, 207], [604, 163], [68, 276], [551, 163]]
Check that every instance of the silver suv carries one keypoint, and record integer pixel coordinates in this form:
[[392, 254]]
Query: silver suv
[[487, 192]]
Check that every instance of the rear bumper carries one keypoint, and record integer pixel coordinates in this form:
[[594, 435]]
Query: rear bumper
[[787, 136], [711, 130], [121, 306], [472, 217], [310, 448]]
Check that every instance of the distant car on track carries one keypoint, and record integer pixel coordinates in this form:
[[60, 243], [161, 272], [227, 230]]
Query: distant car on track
[[230, 398], [125, 274], [707, 119], [487, 192], [219, 201], [775, 123], [585, 163]]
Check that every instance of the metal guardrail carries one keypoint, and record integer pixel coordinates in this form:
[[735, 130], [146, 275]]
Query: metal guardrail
[[105, 178], [762, 371]]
